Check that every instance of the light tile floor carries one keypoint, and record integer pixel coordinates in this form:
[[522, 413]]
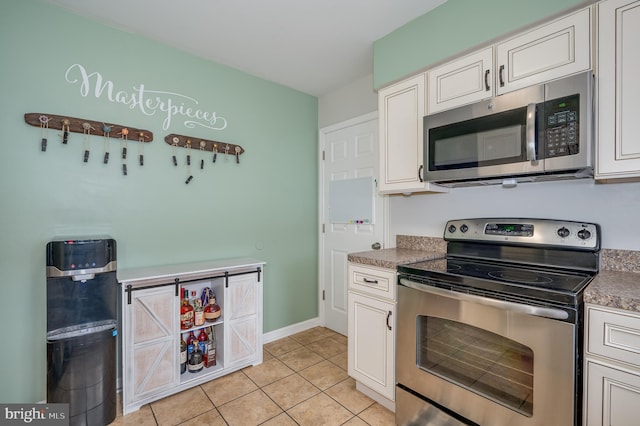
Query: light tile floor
[[302, 381]]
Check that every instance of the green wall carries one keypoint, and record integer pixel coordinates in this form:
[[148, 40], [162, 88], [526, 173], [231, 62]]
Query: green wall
[[265, 207], [453, 27]]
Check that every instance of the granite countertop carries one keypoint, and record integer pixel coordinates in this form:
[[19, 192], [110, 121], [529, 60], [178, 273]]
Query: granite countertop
[[391, 258], [615, 289], [617, 285], [408, 249]]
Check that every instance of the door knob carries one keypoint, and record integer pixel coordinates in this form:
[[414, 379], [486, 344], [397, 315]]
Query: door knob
[[376, 246]]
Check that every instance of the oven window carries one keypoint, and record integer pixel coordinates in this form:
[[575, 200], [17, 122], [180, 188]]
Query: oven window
[[483, 362]]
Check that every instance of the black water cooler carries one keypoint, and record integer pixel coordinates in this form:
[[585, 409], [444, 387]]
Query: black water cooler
[[82, 301]]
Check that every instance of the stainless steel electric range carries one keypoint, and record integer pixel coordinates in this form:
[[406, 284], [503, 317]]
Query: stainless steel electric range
[[492, 334]]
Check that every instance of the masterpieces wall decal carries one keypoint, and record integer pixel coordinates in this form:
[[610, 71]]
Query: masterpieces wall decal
[[149, 102]]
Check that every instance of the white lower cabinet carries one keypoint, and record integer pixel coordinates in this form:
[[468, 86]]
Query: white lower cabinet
[[613, 396], [151, 325], [612, 367], [371, 330]]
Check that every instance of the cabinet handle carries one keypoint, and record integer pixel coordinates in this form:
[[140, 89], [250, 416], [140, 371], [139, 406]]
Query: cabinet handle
[[420, 172], [500, 72], [486, 81], [367, 280], [388, 316]]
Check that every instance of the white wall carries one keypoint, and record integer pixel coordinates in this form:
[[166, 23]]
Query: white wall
[[616, 207], [352, 100]]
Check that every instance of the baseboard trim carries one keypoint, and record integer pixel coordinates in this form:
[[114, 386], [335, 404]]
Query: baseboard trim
[[385, 402], [290, 330]]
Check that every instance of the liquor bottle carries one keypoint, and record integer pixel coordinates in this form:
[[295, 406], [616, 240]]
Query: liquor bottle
[[191, 338], [203, 341], [186, 312], [195, 359], [198, 312], [212, 311], [211, 355], [183, 355]]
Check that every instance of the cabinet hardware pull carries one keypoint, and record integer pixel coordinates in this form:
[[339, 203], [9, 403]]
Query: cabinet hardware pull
[[388, 316], [367, 280], [420, 173], [500, 72], [486, 80]]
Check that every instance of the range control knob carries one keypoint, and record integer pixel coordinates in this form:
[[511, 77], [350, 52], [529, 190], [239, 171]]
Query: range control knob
[[464, 228], [452, 229], [583, 234], [563, 232]]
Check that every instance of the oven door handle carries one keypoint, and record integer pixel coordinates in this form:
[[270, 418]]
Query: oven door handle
[[537, 311]]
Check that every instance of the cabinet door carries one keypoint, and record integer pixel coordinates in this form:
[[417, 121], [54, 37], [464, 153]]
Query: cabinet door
[[243, 316], [555, 50], [613, 396], [460, 82], [401, 108], [371, 351], [618, 145], [151, 358]]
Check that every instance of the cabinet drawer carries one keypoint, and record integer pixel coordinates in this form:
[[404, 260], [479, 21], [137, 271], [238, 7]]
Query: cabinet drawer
[[374, 281], [614, 334]]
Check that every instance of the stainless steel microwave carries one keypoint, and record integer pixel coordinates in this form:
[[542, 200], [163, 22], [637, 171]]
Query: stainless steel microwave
[[542, 132]]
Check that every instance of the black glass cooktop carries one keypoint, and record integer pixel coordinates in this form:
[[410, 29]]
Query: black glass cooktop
[[511, 279]]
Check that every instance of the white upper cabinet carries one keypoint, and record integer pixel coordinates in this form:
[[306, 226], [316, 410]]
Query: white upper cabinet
[[401, 108], [548, 52], [618, 144], [462, 81]]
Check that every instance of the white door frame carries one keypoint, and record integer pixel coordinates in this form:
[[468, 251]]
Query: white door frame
[[321, 202]]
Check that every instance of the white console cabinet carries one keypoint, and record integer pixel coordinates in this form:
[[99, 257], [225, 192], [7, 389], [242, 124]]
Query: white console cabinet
[[151, 325]]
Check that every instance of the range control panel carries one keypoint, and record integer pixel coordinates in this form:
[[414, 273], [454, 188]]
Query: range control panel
[[550, 232]]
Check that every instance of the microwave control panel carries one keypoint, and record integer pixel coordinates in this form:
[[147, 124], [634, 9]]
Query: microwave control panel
[[561, 124]]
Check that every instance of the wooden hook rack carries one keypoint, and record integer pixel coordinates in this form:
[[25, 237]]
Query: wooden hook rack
[[197, 144], [77, 125]]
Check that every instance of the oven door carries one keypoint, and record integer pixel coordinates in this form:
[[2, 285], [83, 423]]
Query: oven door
[[492, 362]]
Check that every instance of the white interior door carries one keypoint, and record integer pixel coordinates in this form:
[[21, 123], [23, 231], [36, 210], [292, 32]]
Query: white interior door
[[350, 152]]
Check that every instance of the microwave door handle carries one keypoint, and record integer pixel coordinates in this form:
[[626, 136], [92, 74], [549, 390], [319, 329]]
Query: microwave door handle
[[531, 133]]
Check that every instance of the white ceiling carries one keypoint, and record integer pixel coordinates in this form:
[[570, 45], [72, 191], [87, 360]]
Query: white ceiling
[[314, 46]]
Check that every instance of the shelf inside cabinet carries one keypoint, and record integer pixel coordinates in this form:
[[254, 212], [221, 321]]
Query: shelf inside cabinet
[[187, 376], [195, 328]]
